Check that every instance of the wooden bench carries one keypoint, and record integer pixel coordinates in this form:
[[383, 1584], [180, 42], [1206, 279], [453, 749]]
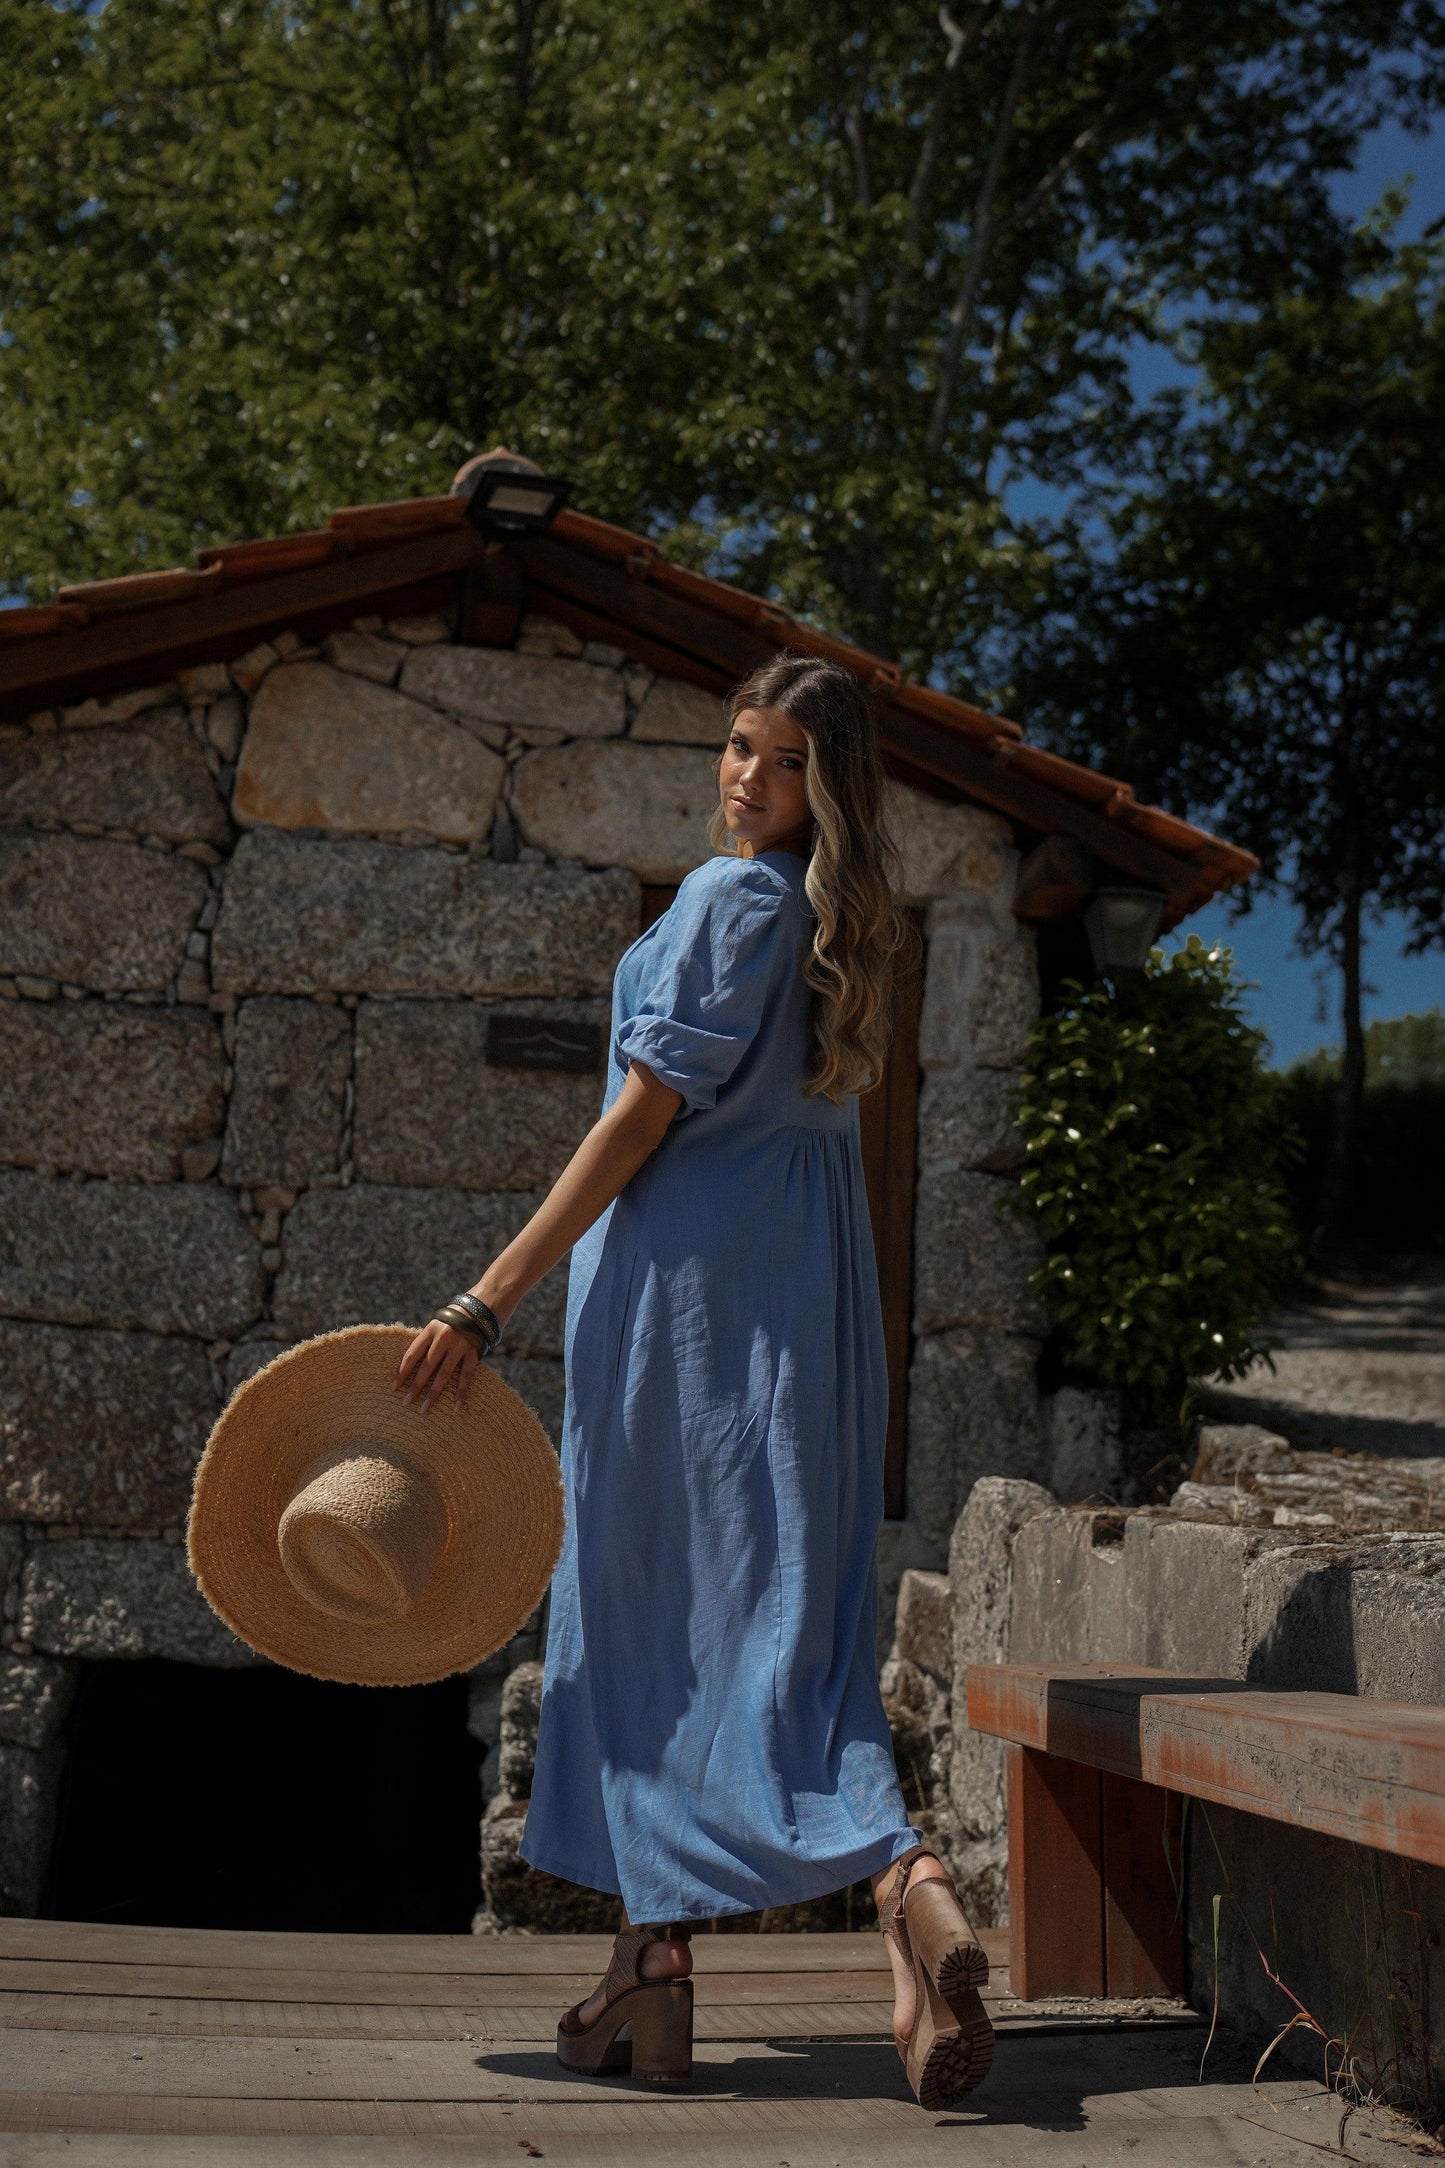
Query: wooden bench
[[1100, 1760]]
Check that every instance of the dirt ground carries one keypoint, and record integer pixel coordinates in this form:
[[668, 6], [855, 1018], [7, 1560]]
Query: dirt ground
[[1359, 1362]]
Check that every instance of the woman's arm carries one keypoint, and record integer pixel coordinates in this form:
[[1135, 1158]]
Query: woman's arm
[[598, 1171]]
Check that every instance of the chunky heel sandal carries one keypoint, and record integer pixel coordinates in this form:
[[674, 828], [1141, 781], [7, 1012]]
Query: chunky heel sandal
[[949, 2052], [644, 2026]]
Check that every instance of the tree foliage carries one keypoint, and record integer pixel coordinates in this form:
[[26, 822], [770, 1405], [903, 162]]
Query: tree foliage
[[1261, 638], [799, 288], [1155, 1160], [1408, 1051]]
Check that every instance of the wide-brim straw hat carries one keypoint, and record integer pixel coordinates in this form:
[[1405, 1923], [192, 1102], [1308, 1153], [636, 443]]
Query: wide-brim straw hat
[[343, 1533]]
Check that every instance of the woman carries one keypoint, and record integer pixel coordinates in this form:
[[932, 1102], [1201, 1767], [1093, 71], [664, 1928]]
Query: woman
[[712, 1739]]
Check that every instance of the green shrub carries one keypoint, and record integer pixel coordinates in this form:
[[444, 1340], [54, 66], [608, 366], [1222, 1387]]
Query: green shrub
[[1156, 1146]]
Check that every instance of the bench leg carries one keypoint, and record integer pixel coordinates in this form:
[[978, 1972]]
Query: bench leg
[[1093, 1867], [1055, 1876], [1143, 1914]]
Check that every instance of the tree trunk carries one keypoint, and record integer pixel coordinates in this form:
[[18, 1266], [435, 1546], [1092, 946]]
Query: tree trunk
[[1338, 1189]]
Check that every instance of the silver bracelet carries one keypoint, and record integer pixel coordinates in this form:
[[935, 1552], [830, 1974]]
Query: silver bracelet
[[482, 1319]]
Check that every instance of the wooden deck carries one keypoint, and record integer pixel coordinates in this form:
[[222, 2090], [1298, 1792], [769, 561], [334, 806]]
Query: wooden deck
[[165, 2048]]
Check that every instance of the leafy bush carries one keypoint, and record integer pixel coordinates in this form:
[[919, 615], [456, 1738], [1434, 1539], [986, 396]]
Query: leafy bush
[[1156, 1145]]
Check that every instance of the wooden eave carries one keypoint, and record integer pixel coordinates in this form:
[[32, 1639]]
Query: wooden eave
[[421, 554]]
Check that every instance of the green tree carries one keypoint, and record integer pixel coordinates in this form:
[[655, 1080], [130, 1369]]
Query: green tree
[[1155, 1164], [1260, 639], [1399, 1050], [800, 289]]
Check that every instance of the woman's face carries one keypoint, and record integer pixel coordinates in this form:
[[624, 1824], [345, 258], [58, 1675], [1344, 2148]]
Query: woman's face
[[762, 782]]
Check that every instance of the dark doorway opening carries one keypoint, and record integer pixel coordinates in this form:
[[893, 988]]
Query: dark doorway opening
[[261, 1799]]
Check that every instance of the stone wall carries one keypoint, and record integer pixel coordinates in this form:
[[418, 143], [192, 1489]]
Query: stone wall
[[974, 1403], [973, 1400], [1234, 1580], [253, 927]]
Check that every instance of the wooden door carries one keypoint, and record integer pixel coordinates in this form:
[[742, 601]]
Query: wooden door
[[888, 1118]]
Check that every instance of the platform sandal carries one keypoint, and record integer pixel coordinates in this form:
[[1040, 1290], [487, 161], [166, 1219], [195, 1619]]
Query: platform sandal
[[950, 2048], [644, 2026]]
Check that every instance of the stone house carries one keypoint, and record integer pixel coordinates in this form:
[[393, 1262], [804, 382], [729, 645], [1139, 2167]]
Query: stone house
[[315, 864]]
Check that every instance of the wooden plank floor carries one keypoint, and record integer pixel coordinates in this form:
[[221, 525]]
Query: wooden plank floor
[[171, 2049]]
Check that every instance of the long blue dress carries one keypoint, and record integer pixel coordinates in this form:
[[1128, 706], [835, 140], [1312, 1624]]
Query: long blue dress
[[712, 1738]]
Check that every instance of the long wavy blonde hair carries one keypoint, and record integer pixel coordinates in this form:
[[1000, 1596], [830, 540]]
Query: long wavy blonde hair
[[854, 873]]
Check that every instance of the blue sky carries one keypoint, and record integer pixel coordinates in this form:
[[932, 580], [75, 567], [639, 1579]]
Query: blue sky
[[1296, 998]]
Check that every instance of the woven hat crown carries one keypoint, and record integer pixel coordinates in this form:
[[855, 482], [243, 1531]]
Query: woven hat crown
[[362, 1534]]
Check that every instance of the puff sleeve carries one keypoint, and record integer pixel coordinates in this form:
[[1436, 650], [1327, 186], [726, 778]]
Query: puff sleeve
[[697, 1011]]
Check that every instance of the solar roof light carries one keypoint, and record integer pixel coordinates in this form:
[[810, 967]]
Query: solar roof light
[[1121, 924], [507, 494]]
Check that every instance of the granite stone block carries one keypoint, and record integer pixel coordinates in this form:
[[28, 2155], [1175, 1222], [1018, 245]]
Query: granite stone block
[[36, 1693], [375, 1255], [642, 806], [947, 849], [421, 630], [165, 1257], [86, 1596], [29, 1783], [981, 1577], [364, 655], [521, 1710], [491, 685], [924, 1624], [973, 1254], [1084, 1443], [324, 750], [149, 776], [106, 1089], [540, 635], [226, 726], [12, 1557], [247, 1357], [102, 1429], [357, 917], [676, 714], [432, 1113], [980, 987], [520, 1896], [288, 1103], [106, 916], [967, 1118], [973, 1410]]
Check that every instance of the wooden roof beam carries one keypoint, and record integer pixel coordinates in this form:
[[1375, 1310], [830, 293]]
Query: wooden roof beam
[[1055, 879], [70, 663]]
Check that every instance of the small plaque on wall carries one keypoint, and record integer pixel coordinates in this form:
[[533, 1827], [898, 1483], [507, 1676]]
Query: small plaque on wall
[[544, 1042]]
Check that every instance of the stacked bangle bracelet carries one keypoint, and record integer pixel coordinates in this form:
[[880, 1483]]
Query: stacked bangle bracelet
[[474, 1319]]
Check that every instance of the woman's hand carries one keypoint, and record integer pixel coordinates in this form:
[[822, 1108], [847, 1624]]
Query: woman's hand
[[437, 1358]]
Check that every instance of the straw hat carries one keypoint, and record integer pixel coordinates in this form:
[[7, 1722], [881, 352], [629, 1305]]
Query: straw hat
[[342, 1533]]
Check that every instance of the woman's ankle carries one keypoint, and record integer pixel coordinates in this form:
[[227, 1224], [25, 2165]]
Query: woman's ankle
[[665, 1961]]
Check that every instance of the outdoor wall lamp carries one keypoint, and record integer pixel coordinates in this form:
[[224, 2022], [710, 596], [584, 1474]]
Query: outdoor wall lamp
[[1121, 924], [507, 494]]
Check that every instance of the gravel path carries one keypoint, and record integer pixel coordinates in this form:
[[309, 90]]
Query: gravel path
[[1361, 1365]]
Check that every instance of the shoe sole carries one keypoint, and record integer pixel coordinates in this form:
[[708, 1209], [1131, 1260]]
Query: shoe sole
[[963, 1967], [959, 2059]]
